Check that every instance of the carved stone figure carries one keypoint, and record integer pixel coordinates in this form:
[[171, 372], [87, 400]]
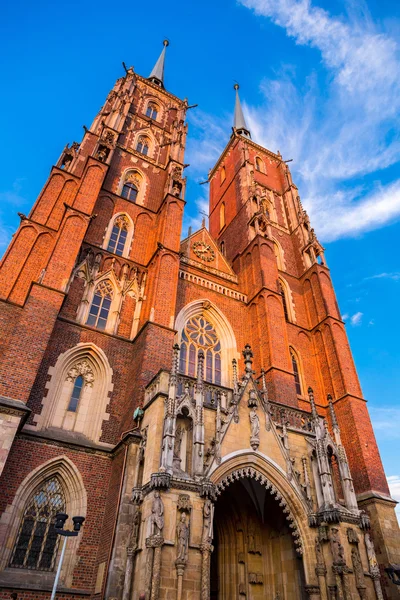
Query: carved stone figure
[[358, 568], [352, 536], [133, 538], [337, 548], [178, 442], [182, 531], [251, 538], [208, 511], [373, 563], [157, 515], [319, 553], [142, 446], [255, 429]]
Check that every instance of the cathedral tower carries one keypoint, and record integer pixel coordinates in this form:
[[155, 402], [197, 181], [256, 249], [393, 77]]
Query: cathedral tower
[[195, 400]]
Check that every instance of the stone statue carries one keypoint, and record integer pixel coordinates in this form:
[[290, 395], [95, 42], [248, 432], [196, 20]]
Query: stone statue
[[255, 429], [319, 553], [208, 511], [337, 548], [178, 441], [133, 538], [251, 538], [182, 531], [157, 515], [358, 568], [373, 563]]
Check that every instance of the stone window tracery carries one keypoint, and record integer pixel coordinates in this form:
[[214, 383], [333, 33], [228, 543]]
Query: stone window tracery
[[152, 111], [198, 333], [76, 394], [118, 236], [143, 145], [101, 303], [37, 541]]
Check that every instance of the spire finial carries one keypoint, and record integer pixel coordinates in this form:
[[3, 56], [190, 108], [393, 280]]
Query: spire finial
[[157, 74], [312, 402], [335, 424], [239, 123]]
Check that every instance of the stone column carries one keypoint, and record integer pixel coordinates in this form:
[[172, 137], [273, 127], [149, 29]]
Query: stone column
[[321, 574], [130, 561], [155, 588], [206, 549], [180, 569], [313, 592]]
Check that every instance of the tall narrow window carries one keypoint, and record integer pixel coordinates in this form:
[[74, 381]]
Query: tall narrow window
[[284, 302], [222, 246], [223, 174], [101, 304], [259, 164], [143, 145], [37, 541], [130, 191], [296, 373], [198, 334], [152, 111], [118, 236], [76, 394], [222, 215]]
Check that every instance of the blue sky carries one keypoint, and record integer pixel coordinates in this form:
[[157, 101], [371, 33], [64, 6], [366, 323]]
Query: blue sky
[[320, 81]]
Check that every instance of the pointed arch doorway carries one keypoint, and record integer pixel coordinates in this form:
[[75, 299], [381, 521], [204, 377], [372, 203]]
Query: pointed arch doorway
[[254, 553]]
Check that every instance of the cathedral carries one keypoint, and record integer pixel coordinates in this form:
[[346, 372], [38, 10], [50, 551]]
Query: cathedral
[[192, 400]]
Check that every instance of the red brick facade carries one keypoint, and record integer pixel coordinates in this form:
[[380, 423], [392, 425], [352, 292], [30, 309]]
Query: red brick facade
[[59, 250]]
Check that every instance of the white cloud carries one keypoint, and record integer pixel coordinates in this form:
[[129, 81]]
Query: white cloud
[[394, 487], [345, 317], [386, 422], [394, 276], [338, 135], [356, 319]]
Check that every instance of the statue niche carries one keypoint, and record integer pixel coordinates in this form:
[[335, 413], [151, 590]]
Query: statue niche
[[183, 445]]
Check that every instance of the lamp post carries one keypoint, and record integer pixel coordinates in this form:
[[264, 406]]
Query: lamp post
[[59, 527]]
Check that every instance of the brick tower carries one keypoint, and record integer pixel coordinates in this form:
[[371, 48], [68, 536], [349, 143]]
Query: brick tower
[[196, 401]]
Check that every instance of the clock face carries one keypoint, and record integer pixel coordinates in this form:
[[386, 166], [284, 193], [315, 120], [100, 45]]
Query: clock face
[[203, 251]]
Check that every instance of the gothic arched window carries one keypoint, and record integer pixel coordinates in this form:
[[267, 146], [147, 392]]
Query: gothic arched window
[[143, 144], [198, 334], [222, 215], [223, 174], [130, 191], [101, 304], [152, 111], [296, 372], [118, 236], [37, 540], [259, 164], [284, 301], [76, 394]]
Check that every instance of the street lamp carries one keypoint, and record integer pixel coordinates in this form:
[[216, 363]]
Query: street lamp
[[59, 527]]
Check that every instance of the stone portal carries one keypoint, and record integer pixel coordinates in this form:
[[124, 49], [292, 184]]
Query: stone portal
[[254, 555]]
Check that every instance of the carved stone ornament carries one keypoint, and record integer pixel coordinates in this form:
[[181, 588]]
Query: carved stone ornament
[[255, 429], [203, 251], [83, 368], [160, 480], [157, 515], [256, 578], [184, 503], [182, 531], [134, 535], [352, 536], [336, 547], [208, 514], [358, 568]]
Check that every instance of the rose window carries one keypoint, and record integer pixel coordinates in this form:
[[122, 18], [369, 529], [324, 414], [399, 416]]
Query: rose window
[[199, 334]]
